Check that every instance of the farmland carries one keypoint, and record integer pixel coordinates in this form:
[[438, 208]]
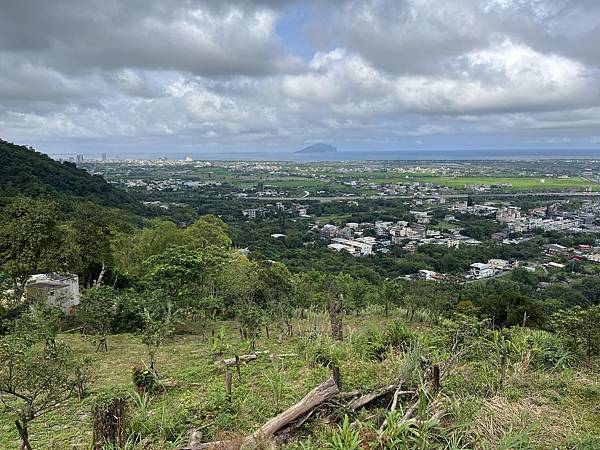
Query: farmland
[[518, 183]]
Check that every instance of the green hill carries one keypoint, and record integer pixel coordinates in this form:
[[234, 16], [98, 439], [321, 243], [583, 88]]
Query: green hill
[[23, 171]]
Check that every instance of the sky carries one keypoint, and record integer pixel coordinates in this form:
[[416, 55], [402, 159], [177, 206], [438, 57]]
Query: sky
[[152, 77]]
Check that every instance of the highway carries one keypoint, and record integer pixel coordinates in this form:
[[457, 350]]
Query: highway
[[424, 197]]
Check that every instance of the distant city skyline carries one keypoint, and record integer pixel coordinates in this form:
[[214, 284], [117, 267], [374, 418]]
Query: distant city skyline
[[165, 78]]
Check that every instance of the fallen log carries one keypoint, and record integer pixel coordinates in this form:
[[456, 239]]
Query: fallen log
[[265, 434], [244, 358], [253, 356], [273, 356], [364, 400]]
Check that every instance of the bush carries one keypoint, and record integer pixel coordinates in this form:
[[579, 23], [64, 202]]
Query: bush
[[144, 379], [322, 352], [374, 343], [548, 351], [397, 335]]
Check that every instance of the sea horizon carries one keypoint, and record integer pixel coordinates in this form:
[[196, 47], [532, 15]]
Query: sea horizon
[[353, 155]]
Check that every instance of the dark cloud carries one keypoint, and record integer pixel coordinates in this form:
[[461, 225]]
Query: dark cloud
[[205, 38], [217, 73]]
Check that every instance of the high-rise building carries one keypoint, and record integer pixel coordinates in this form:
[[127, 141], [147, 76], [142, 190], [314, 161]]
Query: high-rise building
[[103, 156], [79, 159], [189, 158]]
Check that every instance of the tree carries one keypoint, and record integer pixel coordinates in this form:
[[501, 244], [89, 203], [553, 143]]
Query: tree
[[31, 241], [97, 312], [510, 307], [582, 326], [158, 325], [93, 228], [277, 289], [359, 295], [35, 378], [207, 231], [390, 292], [186, 277], [239, 285], [132, 251]]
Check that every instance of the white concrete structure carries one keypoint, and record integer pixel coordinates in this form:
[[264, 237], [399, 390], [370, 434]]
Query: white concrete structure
[[360, 247], [54, 289], [481, 270], [499, 264]]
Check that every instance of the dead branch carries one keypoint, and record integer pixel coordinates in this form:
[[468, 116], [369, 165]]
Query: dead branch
[[253, 356], [363, 400], [393, 406], [265, 434], [244, 358]]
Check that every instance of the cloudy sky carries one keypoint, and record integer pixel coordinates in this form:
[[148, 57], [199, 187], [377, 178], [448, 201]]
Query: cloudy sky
[[160, 76]]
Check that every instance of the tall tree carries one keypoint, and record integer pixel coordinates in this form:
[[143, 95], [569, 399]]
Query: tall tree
[[93, 228], [31, 241]]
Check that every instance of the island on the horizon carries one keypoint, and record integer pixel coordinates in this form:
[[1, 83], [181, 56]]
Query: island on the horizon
[[318, 149]]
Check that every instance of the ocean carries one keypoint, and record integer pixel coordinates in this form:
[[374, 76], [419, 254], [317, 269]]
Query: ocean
[[356, 155]]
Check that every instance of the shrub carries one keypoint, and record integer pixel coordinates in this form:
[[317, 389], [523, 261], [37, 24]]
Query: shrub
[[398, 335], [345, 437], [548, 351], [144, 379]]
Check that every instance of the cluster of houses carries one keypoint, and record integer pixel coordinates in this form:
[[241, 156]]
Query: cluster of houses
[[545, 219], [518, 222], [477, 271], [582, 252], [171, 184], [258, 213], [352, 237]]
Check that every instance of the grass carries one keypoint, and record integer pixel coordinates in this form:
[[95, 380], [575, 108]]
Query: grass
[[517, 182], [535, 409]]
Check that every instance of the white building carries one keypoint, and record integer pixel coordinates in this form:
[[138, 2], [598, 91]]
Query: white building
[[54, 289], [508, 214], [329, 231], [499, 264], [429, 275], [481, 270], [341, 247], [254, 213], [359, 247]]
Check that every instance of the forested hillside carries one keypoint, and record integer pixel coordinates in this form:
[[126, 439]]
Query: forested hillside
[[23, 171]]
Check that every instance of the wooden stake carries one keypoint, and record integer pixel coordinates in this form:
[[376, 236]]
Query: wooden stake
[[237, 366], [503, 366], [228, 383], [436, 377], [335, 374]]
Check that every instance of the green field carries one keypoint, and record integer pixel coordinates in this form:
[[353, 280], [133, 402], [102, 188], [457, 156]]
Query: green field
[[517, 182], [535, 409]]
